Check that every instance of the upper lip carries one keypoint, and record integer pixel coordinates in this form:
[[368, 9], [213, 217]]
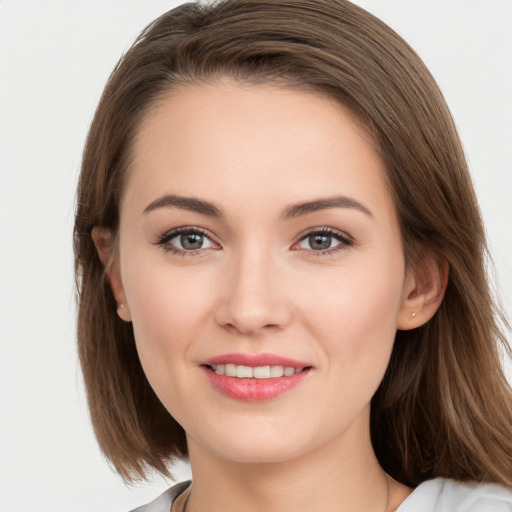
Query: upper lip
[[256, 360]]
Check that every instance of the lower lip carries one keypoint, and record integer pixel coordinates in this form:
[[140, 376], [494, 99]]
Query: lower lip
[[254, 390]]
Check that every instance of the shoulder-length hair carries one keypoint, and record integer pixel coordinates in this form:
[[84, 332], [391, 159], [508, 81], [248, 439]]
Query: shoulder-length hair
[[444, 406]]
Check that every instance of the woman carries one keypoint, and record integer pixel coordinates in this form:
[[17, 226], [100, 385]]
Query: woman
[[281, 275]]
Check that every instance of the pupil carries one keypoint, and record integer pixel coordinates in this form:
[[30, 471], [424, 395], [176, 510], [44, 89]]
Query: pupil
[[319, 242], [191, 241]]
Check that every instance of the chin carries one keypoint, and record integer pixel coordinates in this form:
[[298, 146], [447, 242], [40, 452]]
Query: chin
[[265, 448]]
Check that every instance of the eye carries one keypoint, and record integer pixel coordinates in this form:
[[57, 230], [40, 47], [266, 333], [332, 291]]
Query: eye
[[186, 240], [325, 240], [191, 241]]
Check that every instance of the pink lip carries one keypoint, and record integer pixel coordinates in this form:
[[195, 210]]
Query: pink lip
[[256, 360], [254, 390]]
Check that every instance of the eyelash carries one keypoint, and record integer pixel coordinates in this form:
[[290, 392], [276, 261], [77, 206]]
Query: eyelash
[[164, 240], [344, 239]]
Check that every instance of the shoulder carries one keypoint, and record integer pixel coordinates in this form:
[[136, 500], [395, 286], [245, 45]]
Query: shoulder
[[164, 502], [443, 495]]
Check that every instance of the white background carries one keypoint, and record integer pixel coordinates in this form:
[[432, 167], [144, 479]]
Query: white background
[[54, 59]]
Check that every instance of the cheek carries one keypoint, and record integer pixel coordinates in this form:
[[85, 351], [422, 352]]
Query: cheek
[[168, 310], [356, 320]]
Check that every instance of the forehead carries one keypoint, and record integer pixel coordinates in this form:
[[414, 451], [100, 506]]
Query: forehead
[[227, 139]]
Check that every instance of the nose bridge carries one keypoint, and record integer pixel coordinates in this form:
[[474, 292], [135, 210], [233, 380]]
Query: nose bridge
[[253, 298]]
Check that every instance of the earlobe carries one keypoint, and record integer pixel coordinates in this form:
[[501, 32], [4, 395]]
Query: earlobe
[[123, 312], [423, 293], [104, 243]]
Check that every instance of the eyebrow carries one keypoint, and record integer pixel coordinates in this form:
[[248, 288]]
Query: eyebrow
[[296, 210], [184, 203], [305, 208]]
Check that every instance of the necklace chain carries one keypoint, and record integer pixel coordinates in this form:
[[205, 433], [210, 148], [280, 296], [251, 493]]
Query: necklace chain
[[387, 493]]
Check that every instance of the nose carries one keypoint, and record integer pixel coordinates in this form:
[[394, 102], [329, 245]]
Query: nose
[[253, 298]]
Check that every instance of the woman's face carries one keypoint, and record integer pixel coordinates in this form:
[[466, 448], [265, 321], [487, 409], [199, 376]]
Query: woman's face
[[258, 238]]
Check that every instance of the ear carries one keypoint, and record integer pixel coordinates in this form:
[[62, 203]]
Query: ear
[[423, 292], [103, 240]]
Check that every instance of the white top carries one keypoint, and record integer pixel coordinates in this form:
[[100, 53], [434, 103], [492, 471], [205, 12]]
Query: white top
[[438, 495], [442, 495]]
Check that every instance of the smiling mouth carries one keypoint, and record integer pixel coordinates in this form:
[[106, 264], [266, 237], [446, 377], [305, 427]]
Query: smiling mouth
[[240, 371], [255, 378]]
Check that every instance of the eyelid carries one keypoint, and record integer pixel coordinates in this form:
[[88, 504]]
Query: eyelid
[[345, 240], [325, 229], [164, 239]]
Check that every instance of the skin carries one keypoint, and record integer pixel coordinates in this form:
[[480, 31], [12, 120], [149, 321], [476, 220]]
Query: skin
[[258, 285]]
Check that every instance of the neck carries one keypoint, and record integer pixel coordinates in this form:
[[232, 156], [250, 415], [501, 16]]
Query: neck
[[341, 475]]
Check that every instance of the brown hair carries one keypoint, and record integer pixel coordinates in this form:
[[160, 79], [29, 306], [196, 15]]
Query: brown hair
[[444, 407]]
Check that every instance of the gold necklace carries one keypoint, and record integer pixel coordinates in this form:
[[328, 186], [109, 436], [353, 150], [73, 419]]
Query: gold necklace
[[387, 493]]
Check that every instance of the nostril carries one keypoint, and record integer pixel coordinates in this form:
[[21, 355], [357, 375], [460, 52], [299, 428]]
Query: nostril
[[252, 313]]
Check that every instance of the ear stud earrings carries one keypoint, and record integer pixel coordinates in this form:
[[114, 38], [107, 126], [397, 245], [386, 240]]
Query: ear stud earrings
[[123, 312], [413, 314]]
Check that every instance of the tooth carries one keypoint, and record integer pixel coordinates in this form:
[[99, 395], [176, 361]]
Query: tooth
[[244, 372], [257, 372], [261, 372], [276, 371], [230, 370]]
